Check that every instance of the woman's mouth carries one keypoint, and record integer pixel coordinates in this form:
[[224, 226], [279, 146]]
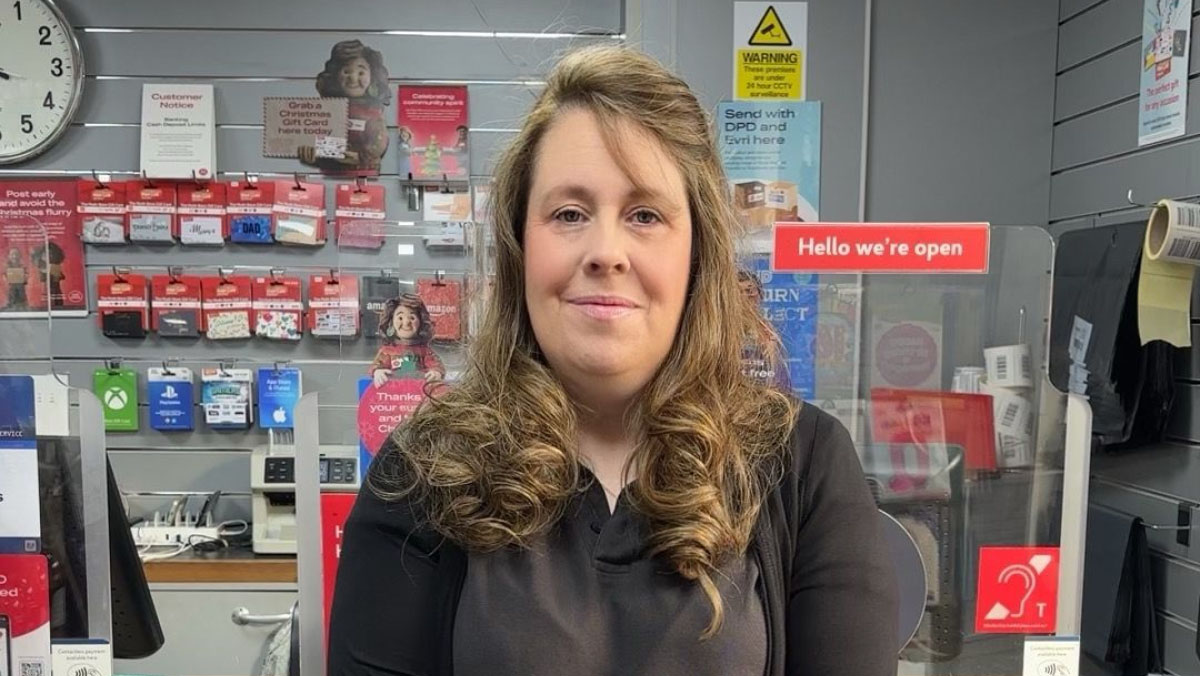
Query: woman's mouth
[[603, 307]]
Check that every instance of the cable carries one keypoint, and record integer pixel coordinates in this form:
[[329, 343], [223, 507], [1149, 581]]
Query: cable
[[221, 528], [179, 549], [203, 544]]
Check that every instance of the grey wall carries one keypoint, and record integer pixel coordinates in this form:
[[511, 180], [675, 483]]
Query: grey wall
[[1096, 161], [248, 51], [961, 95]]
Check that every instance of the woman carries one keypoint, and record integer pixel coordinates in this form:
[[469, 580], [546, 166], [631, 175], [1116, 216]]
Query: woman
[[604, 492]]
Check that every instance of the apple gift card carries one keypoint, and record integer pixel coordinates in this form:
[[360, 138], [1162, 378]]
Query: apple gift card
[[278, 391]]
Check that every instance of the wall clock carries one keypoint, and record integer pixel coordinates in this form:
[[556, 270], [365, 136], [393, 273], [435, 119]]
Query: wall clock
[[41, 77]]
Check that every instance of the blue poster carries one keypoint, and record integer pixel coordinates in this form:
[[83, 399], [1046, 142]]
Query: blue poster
[[172, 399], [20, 510], [772, 156], [789, 302], [17, 419], [365, 455], [278, 392], [1163, 94]]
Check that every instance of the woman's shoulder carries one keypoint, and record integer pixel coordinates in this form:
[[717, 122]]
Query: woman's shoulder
[[386, 514], [816, 436], [820, 455]]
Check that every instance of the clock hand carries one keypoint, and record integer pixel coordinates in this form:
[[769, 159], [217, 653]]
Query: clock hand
[[4, 76]]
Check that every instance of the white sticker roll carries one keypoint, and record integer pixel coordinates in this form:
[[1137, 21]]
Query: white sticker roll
[[1008, 366], [1173, 233]]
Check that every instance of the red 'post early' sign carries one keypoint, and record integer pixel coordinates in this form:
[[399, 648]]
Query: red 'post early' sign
[[960, 248]]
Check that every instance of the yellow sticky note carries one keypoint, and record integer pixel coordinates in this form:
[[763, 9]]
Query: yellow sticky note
[[1164, 301]]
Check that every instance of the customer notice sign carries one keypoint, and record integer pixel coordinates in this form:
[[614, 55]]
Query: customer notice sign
[[770, 50]]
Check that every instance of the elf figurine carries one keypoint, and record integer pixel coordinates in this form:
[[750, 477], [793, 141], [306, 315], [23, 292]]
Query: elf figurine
[[49, 259], [406, 329], [433, 157], [14, 274]]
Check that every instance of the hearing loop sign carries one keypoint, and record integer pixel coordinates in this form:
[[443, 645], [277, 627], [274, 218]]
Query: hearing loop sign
[[770, 45], [1017, 591]]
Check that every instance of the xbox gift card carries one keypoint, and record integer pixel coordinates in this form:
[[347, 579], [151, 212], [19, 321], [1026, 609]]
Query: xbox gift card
[[117, 391], [278, 392]]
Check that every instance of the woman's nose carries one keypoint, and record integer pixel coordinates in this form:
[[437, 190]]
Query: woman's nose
[[607, 250]]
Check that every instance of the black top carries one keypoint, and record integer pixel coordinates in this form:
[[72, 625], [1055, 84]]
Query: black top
[[592, 602], [410, 603]]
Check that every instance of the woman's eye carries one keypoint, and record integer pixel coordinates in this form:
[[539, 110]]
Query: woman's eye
[[645, 217], [569, 216]]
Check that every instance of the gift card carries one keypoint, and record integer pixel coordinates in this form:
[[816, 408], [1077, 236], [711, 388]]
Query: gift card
[[226, 398], [278, 391], [118, 394], [171, 396]]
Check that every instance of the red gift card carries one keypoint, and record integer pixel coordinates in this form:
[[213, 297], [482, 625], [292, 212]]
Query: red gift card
[[920, 417], [333, 306], [358, 215], [1018, 590], [250, 210], [443, 299], [299, 213], [102, 208], [278, 308], [175, 305], [227, 304], [152, 212], [202, 213], [122, 304]]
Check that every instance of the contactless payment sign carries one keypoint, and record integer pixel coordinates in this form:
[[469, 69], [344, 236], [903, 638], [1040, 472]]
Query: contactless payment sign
[[1018, 590], [960, 248]]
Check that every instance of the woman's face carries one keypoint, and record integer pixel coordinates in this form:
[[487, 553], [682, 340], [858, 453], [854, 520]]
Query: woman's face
[[606, 261], [355, 77], [405, 323]]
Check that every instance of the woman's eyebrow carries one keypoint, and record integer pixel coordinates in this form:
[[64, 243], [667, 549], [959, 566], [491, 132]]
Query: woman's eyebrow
[[574, 191], [654, 197], [580, 192]]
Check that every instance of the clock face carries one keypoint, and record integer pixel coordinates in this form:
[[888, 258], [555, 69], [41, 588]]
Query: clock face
[[41, 77]]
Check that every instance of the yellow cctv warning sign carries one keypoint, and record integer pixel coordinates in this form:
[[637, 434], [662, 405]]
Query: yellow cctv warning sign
[[770, 31], [770, 41]]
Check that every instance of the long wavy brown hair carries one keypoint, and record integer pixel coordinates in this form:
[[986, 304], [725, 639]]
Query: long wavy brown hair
[[493, 462]]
